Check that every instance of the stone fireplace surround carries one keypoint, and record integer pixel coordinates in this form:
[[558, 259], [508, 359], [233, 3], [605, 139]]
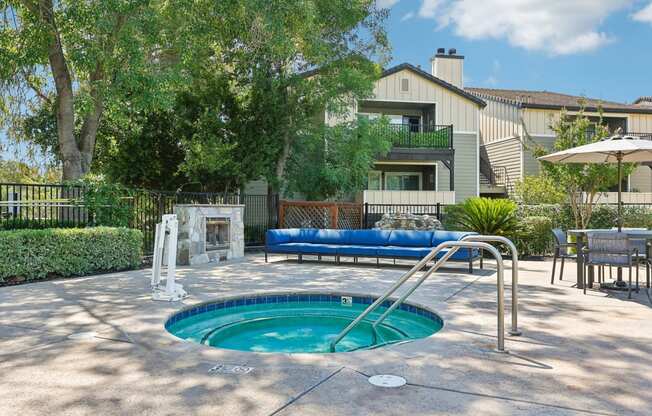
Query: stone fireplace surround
[[191, 246]]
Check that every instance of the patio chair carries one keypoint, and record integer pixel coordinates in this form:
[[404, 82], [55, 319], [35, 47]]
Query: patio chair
[[562, 251], [611, 249], [642, 246]]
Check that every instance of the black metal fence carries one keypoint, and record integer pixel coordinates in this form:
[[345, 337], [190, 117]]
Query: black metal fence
[[57, 206], [374, 212]]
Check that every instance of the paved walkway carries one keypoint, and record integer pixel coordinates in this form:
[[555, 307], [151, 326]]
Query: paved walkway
[[579, 354]]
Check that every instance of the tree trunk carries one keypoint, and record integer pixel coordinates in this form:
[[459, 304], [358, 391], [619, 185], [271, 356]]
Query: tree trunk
[[91, 122], [72, 161]]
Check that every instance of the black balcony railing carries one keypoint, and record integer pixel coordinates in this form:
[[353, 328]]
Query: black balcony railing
[[642, 136], [418, 135]]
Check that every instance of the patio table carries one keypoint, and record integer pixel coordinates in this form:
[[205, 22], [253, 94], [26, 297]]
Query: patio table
[[579, 245]]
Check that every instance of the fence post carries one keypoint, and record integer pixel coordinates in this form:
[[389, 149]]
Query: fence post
[[438, 211], [366, 214], [281, 213], [333, 210]]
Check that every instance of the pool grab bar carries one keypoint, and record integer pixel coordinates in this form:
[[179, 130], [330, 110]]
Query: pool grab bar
[[454, 245], [512, 248]]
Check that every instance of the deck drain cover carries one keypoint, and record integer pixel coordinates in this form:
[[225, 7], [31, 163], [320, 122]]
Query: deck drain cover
[[83, 335], [230, 369], [387, 380]]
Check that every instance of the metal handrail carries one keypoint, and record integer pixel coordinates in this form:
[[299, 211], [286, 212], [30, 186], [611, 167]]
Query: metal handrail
[[512, 248], [454, 245]]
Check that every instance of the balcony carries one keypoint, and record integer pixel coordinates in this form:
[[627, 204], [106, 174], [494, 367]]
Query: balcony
[[418, 136]]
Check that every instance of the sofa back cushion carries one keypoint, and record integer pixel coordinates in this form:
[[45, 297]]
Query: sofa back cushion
[[440, 236], [409, 238], [282, 236], [369, 237], [304, 235], [331, 237]]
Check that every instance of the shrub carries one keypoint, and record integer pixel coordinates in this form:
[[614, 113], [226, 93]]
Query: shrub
[[36, 254], [487, 216], [534, 237], [538, 190]]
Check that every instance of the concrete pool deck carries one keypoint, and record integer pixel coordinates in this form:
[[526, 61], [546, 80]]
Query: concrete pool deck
[[578, 354]]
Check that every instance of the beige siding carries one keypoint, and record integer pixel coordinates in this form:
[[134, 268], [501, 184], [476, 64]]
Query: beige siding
[[407, 197], [531, 165], [451, 108], [639, 123], [466, 166], [537, 122], [499, 120], [641, 179], [506, 153], [450, 70]]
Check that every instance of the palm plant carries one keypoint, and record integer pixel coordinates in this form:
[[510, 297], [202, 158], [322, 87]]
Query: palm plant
[[488, 216]]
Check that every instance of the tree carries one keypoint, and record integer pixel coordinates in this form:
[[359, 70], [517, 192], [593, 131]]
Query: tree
[[81, 59], [334, 162], [581, 182], [265, 47]]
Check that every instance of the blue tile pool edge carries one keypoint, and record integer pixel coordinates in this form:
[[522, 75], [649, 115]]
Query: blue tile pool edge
[[292, 297]]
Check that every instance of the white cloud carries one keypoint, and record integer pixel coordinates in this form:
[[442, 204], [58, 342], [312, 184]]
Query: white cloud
[[429, 8], [644, 15], [558, 27], [386, 4], [407, 16]]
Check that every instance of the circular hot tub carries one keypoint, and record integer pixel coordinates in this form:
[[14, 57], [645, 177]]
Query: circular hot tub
[[299, 323]]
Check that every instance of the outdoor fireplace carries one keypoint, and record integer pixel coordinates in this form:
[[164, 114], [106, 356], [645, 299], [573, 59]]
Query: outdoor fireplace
[[218, 235], [209, 233]]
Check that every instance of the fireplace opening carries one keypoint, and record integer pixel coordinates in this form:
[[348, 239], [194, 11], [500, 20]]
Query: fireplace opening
[[217, 234]]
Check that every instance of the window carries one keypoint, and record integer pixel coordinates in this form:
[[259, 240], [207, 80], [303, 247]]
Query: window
[[405, 85], [374, 180], [403, 181]]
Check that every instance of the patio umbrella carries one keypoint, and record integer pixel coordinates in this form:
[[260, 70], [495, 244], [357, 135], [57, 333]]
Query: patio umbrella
[[616, 149]]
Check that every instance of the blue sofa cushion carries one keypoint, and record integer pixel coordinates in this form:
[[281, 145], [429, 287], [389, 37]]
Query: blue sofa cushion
[[311, 248], [289, 248], [304, 235], [356, 250], [369, 237], [405, 238], [440, 236], [398, 251], [331, 237], [273, 237]]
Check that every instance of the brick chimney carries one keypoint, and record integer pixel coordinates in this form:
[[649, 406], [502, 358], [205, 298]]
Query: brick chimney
[[448, 66]]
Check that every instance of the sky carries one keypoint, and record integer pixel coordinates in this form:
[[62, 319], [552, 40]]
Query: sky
[[595, 48]]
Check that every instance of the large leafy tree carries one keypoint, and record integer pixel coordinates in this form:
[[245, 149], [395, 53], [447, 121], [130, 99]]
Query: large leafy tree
[[333, 162], [581, 182], [81, 59], [265, 47]]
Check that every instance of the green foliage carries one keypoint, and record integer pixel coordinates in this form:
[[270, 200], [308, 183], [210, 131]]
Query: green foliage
[[534, 236], [580, 182], [20, 172], [106, 203], [334, 162], [538, 190], [488, 216], [37, 224], [36, 254]]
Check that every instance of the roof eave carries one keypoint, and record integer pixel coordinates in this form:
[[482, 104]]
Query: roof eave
[[606, 109]]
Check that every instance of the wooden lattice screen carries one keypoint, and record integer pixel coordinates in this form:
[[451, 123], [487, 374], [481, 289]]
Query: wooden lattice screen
[[318, 214]]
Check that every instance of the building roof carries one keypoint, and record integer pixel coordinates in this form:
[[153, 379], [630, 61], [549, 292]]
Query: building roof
[[463, 92], [644, 100], [557, 101]]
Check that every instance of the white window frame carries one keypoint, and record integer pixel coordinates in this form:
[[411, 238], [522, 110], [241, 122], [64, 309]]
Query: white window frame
[[419, 174]]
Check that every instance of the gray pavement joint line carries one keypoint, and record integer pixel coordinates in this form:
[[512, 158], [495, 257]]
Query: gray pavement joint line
[[462, 288], [303, 393], [492, 396], [39, 329]]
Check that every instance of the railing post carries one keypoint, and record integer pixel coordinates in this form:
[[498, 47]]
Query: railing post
[[333, 212], [281, 213]]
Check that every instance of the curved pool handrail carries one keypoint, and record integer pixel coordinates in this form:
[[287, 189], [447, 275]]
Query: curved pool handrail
[[512, 248], [454, 245]]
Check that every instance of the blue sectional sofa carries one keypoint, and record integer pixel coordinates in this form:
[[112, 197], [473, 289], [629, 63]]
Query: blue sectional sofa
[[364, 243]]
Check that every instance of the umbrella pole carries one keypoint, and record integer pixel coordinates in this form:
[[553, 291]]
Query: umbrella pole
[[620, 191]]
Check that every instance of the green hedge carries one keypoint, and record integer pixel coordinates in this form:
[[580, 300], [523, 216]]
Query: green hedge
[[36, 254]]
